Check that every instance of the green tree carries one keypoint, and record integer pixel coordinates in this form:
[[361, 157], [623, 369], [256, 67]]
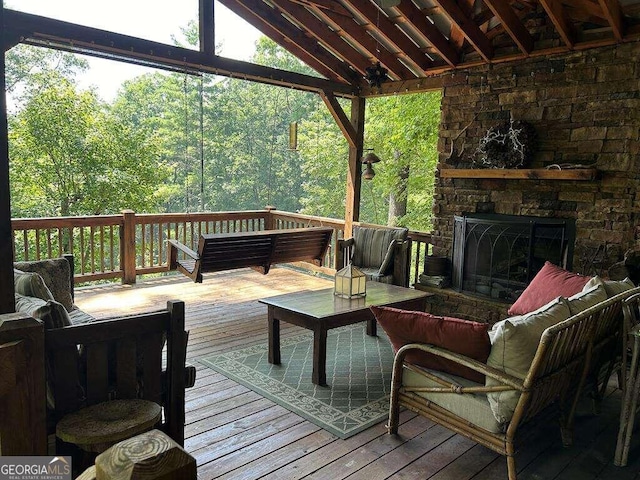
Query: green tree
[[403, 131], [29, 67], [70, 156]]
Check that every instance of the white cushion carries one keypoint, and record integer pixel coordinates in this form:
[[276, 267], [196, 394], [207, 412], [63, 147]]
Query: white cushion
[[473, 407], [515, 342], [590, 296]]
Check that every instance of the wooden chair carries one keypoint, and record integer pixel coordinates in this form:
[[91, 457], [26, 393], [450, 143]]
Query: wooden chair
[[121, 358], [382, 254], [258, 250]]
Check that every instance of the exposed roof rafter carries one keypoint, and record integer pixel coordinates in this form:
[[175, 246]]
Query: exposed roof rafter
[[320, 31], [378, 23], [289, 37], [467, 27], [555, 10], [439, 42], [512, 24]]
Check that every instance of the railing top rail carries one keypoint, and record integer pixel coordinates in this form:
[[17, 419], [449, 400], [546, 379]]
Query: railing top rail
[[308, 218], [199, 216], [57, 222]]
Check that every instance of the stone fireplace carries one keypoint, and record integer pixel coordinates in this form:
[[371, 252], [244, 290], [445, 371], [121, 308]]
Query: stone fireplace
[[496, 256], [585, 108]]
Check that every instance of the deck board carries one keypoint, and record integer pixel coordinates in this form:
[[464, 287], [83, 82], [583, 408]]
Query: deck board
[[235, 433]]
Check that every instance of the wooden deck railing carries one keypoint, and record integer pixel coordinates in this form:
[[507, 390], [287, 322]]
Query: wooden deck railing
[[124, 246]]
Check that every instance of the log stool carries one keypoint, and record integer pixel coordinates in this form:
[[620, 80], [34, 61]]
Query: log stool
[[98, 427], [148, 456]]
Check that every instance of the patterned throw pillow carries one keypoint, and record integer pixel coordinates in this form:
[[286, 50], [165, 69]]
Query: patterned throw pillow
[[30, 284], [56, 274], [52, 313]]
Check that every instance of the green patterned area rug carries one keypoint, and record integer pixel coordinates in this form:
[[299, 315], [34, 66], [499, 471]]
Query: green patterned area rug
[[358, 377]]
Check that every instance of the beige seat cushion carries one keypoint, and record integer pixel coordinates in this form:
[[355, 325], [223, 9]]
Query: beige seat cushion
[[514, 344], [473, 407]]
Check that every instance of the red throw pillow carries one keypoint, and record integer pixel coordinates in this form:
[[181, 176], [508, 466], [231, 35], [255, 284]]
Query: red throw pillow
[[549, 283], [459, 336]]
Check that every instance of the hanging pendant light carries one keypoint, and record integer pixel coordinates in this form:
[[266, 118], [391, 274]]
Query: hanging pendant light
[[368, 159]]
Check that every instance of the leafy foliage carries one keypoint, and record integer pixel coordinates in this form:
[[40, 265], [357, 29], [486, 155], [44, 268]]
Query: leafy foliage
[[179, 142]]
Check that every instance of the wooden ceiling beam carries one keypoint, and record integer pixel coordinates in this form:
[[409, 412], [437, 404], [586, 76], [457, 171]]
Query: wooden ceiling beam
[[613, 14], [340, 117], [512, 24], [326, 5], [556, 14], [56, 34], [290, 38], [323, 34], [380, 23], [468, 27], [359, 35], [207, 26], [430, 32]]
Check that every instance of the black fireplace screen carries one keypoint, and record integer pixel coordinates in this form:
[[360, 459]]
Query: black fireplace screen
[[496, 256]]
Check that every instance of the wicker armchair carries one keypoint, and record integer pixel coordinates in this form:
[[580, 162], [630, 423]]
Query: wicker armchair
[[553, 383], [382, 254]]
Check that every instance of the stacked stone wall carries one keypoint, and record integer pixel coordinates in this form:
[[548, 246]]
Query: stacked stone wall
[[585, 107]]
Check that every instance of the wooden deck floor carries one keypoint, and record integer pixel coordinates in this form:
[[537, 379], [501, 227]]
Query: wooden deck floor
[[237, 434]]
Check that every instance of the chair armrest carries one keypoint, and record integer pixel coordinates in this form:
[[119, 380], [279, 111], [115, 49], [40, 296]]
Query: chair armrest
[[502, 377], [183, 248], [401, 257], [344, 246], [345, 242]]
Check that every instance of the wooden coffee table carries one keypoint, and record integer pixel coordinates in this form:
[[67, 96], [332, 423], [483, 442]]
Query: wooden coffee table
[[320, 311]]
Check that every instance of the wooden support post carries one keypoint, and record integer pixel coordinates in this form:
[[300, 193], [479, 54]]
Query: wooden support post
[[22, 386], [177, 340], [207, 27], [128, 247], [354, 177], [7, 302], [269, 224]]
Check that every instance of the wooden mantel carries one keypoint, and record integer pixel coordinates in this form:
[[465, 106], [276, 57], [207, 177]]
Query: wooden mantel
[[584, 174]]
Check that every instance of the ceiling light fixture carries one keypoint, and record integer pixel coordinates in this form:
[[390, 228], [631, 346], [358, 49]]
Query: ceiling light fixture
[[368, 160]]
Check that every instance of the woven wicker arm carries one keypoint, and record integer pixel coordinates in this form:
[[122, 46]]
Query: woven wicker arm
[[508, 382]]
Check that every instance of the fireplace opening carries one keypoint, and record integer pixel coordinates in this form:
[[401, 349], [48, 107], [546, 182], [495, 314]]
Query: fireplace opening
[[496, 256]]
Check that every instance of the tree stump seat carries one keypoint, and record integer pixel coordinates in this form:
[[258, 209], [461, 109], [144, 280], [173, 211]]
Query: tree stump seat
[[98, 427], [149, 456]]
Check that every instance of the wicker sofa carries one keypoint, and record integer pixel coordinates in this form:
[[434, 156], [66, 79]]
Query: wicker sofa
[[90, 361], [538, 364]]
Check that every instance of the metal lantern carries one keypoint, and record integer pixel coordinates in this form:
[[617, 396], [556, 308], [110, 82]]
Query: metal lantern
[[350, 283]]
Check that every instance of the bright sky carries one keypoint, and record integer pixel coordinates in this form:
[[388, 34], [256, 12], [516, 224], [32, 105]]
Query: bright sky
[[155, 20]]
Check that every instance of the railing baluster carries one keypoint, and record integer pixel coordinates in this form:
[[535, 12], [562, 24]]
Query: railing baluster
[[92, 235], [143, 235], [25, 244], [82, 255], [101, 247], [37, 244], [111, 251], [49, 253]]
